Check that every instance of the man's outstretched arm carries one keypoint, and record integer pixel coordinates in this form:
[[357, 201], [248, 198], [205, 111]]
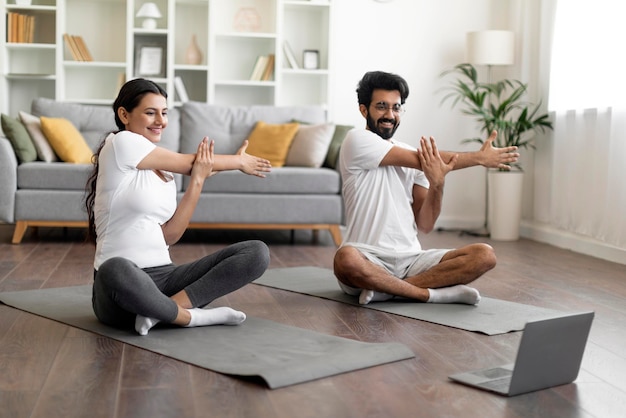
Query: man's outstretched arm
[[487, 156]]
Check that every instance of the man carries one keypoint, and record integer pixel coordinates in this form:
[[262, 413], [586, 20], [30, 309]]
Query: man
[[391, 191]]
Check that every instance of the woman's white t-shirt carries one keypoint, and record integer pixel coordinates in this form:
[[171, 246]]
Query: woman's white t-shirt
[[131, 204], [378, 199]]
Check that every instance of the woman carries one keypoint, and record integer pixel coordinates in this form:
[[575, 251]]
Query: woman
[[134, 217]]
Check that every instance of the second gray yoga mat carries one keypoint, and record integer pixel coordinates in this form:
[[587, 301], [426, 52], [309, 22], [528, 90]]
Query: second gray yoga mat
[[279, 354], [490, 316]]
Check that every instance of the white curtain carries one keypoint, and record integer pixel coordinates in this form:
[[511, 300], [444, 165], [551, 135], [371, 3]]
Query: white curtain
[[579, 178], [588, 180]]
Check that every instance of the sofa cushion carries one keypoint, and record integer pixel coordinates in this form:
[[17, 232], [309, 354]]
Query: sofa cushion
[[33, 126], [310, 145], [66, 141], [272, 141], [20, 140], [335, 145], [95, 122], [53, 176], [284, 180], [60, 176], [229, 126]]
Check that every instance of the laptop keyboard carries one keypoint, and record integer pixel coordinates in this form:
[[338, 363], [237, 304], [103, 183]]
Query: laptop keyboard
[[495, 373], [499, 385]]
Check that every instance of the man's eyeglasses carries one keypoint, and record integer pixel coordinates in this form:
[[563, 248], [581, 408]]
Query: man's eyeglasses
[[396, 108]]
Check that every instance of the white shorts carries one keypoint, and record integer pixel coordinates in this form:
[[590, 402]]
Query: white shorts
[[400, 267]]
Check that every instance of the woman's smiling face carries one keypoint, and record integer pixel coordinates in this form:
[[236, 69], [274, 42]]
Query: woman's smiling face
[[149, 118]]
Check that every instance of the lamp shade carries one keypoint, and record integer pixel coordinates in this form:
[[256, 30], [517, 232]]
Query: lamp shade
[[149, 10], [491, 47]]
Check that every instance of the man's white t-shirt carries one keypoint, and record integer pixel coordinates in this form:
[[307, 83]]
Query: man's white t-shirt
[[378, 198], [131, 204]]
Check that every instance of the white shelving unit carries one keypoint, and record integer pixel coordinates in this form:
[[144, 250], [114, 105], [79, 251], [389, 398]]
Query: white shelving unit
[[231, 34], [28, 69]]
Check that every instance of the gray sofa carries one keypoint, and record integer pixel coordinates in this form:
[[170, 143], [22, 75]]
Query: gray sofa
[[51, 194]]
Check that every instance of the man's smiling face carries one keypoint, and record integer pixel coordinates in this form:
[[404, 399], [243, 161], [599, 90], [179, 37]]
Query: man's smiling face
[[383, 113]]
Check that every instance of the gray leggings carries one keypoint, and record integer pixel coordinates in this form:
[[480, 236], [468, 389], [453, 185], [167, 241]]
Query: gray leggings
[[121, 290]]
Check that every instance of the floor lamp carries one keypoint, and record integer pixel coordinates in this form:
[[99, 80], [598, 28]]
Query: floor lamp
[[489, 47]]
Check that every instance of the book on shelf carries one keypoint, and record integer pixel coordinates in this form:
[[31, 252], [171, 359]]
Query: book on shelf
[[181, 91], [77, 47], [291, 58], [259, 67], [268, 71], [263, 69], [20, 28], [82, 47]]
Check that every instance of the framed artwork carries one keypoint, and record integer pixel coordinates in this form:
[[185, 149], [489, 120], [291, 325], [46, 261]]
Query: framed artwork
[[310, 59], [150, 60]]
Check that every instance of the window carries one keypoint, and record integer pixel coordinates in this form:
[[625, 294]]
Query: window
[[588, 59]]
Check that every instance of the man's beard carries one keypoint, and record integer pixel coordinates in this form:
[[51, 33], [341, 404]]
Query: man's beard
[[384, 133]]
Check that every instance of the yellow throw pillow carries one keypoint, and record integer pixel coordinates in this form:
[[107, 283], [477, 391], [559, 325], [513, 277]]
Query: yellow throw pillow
[[66, 141], [272, 141]]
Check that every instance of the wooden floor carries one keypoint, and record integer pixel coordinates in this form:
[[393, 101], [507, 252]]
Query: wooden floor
[[52, 370]]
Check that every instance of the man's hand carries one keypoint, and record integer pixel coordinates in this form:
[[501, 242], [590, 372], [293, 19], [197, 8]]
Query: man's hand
[[433, 166], [253, 165], [493, 157]]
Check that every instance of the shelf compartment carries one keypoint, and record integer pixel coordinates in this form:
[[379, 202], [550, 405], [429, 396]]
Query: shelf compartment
[[23, 88], [31, 59], [240, 95], [88, 83], [312, 88], [237, 56]]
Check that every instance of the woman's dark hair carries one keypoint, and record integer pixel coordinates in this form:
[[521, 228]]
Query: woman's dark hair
[[129, 97], [380, 80]]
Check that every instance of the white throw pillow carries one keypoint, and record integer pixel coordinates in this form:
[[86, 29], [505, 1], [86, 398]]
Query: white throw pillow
[[33, 126], [310, 145]]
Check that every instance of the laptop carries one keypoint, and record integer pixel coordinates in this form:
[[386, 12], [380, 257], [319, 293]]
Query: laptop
[[549, 354]]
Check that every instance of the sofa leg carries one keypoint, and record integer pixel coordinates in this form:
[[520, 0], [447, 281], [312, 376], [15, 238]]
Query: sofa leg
[[19, 231], [335, 232]]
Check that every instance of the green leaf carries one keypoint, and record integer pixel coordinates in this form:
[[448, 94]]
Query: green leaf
[[499, 105]]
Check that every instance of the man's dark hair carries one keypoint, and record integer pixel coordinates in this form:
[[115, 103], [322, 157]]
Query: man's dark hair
[[380, 80]]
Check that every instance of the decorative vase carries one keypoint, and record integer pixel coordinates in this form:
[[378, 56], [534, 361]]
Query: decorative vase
[[193, 55], [505, 204]]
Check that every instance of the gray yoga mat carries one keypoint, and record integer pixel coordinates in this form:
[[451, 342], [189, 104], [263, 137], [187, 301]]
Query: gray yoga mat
[[490, 316], [279, 354]]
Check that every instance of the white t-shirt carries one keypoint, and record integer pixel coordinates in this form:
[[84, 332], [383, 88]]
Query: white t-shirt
[[131, 204], [378, 198]]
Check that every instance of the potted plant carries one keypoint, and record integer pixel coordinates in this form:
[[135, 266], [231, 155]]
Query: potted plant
[[499, 106]]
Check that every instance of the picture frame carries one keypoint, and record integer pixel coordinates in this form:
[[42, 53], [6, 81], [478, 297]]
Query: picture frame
[[150, 60], [310, 59]]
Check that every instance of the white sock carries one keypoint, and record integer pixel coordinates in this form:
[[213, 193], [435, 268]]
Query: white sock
[[143, 324], [454, 294], [216, 316], [368, 296]]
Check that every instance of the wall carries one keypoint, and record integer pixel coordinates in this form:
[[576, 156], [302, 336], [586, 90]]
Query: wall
[[417, 39]]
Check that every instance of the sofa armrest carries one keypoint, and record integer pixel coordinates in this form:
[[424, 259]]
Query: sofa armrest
[[8, 181]]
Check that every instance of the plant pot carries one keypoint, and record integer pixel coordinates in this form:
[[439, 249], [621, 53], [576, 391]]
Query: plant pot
[[505, 190]]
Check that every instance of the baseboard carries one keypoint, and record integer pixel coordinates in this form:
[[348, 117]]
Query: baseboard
[[547, 234]]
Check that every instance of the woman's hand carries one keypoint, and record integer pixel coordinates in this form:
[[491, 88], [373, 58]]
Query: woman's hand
[[493, 157], [203, 163], [252, 165]]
